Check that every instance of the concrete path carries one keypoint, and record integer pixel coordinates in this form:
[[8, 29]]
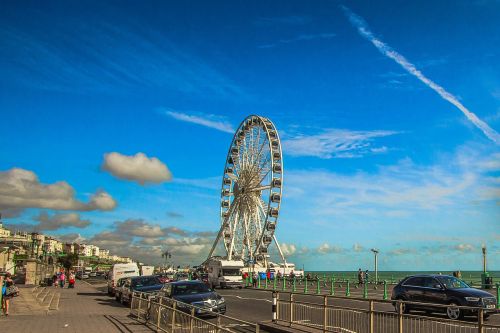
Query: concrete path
[[83, 309]]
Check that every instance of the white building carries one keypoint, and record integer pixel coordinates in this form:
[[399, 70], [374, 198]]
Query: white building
[[103, 254]]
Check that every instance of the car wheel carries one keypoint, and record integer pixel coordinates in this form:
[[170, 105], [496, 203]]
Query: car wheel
[[453, 312]]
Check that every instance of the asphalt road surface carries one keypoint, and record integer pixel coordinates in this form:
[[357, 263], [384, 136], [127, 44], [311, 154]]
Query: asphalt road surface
[[256, 306]]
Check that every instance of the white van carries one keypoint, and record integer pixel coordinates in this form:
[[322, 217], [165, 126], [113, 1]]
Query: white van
[[119, 271], [224, 273]]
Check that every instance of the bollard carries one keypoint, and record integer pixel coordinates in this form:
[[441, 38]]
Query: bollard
[[385, 290], [284, 284], [258, 282], [266, 283], [317, 287], [347, 289], [294, 287], [332, 287], [365, 290], [498, 295], [305, 286], [275, 299], [274, 283]]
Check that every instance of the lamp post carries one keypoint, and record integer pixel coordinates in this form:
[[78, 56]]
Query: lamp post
[[375, 252], [484, 258]]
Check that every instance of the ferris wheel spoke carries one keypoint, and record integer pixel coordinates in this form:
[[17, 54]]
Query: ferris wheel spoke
[[260, 188]]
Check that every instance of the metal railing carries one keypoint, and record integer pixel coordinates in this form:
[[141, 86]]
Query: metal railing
[[370, 316], [168, 315]]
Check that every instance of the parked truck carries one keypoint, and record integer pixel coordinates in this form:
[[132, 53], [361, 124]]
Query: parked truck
[[224, 273]]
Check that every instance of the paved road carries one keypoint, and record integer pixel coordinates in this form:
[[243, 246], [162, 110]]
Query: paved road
[[255, 306]]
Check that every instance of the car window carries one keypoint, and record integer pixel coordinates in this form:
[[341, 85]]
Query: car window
[[145, 281], [451, 282], [415, 282], [191, 288], [430, 282], [231, 272]]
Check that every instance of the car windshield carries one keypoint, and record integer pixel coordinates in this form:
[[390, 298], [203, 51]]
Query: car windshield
[[230, 272], [451, 282], [191, 288], [145, 281]]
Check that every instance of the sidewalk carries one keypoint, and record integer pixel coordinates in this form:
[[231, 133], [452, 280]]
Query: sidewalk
[[83, 309]]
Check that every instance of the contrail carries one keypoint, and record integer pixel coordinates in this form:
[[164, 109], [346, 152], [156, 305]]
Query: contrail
[[385, 49]]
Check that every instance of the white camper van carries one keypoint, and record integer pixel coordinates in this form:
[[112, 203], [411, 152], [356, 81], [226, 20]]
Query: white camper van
[[224, 273], [147, 270], [119, 271]]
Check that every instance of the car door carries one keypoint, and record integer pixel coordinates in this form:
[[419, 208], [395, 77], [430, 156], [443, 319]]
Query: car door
[[434, 291], [413, 289]]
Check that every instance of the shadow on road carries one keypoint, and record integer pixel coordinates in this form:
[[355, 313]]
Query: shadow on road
[[110, 302], [90, 294]]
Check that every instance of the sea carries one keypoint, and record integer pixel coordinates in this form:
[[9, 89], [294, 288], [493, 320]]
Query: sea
[[472, 277]]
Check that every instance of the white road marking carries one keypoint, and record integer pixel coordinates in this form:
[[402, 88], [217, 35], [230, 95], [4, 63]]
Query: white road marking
[[250, 298]]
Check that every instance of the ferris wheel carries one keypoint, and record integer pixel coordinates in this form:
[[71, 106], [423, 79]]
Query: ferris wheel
[[251, 192]]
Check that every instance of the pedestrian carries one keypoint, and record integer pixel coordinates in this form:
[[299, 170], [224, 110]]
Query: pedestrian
[[254, 279], [71, 280], [367, 276], [7, 294], [268, 274], [62, 279], [360, 277], [54, 280]]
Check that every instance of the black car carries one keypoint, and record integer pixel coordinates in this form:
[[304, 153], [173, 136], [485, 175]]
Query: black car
[[442, 290], [145, 284], [195, 293]]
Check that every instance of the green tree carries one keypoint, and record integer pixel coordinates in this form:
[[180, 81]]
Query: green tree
[[69, 260]]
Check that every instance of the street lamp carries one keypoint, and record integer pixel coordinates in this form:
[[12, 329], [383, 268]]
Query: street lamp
[[375, 252]]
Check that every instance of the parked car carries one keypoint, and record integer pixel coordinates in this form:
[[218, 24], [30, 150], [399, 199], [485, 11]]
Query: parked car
[[145, 284], [194, 293], [93, 274], [81, 275], [181, 277], [442, 290], [118, 288]]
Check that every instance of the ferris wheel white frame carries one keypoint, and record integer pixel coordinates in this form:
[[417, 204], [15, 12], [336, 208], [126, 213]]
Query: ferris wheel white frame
[[251, 193]]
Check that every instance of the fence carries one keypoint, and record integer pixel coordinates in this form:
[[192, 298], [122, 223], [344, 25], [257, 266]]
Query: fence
[[332, 286], [171, 316], [369, 316]]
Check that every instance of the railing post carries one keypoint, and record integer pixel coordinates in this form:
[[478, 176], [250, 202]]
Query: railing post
[[325, 312], [385, 290], [191, 320], [365, 290], [257, 328], [348, 289], [218, 324], [140, 306], [158, 320], [498, 295], [400, 316], [305, 286], [480, 320], [274, 307], [371, 317], [174, 306], [291, 310]]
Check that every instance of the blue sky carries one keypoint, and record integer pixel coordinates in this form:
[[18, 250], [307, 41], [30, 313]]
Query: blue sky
[[388, 112]]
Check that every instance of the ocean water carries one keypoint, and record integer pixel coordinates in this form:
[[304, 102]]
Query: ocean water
[[395, 276]]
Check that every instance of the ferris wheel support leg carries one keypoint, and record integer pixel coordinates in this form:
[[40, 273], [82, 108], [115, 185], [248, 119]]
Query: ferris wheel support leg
[[279, 249], [215, 243]]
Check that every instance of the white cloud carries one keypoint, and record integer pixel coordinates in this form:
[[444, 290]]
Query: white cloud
[[386, 50], [288, 249], [464, 247], [58, 221], [210, 121], [139, 228], [327, 248], [21, 189], [138, 167], [335, 143], [358, 248]]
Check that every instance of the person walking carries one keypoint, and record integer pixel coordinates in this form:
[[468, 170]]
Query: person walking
[[360, 277], [71, 280], [62, 279], [8, 282], [367, 276]]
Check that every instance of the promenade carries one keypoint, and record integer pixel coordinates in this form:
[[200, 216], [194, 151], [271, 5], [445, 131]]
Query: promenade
[[83, 309]]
